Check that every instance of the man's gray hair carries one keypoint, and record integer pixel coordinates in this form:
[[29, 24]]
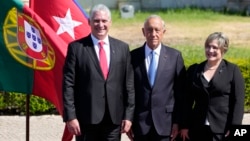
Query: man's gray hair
[[156, 16], [100, 7]]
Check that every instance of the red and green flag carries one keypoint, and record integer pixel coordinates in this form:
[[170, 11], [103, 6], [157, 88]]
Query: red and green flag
[[33, 45], [31, 54]]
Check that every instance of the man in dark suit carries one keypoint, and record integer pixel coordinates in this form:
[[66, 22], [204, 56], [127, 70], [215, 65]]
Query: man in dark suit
[[98, 83], [158, 91]]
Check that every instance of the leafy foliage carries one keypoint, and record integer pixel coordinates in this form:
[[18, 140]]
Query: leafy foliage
[[15, 104]]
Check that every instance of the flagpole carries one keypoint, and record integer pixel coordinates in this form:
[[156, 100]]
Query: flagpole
[[27, 117], [27, 100]]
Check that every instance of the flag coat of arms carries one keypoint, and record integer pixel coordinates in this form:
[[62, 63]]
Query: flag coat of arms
[[31, 54]]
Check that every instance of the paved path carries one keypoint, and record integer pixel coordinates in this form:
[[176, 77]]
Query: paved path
[[42, 128]]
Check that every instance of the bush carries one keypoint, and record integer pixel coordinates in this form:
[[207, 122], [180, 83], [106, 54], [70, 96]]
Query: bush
[[15, 104], [245, 69]]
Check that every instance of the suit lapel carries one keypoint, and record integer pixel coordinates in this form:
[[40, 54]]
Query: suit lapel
[[163, 63], [141, 58], [143, 65], [113, 55], [218, 74], [198, 74], [92, 53]]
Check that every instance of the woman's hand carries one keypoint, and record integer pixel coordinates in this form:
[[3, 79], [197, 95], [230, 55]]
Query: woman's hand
[[184, 134]]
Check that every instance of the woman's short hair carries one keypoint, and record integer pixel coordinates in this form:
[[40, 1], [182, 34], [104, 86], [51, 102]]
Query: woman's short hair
[[222, 40]]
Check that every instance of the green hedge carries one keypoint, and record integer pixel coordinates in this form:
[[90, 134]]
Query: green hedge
[[245, 69], [15, 104]]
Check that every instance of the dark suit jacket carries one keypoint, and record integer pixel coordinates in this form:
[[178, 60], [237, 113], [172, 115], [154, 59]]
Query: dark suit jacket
[[84, 86], [158, 105], [223, 103]]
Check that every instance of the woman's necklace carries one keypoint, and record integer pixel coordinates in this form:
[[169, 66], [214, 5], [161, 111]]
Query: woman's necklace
[[210, 68]]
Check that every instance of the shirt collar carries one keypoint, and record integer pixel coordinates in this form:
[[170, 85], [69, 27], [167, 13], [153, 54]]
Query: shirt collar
[[148, 50], [95, 40]]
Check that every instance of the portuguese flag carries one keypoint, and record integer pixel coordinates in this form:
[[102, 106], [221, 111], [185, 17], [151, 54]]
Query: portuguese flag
[[31, 54]]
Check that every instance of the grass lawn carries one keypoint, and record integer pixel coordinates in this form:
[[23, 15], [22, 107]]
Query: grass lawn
[[187, 30], [184, 27]]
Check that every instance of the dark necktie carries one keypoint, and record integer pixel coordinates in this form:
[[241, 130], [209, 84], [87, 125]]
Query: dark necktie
[[152, 69], [103, 60]]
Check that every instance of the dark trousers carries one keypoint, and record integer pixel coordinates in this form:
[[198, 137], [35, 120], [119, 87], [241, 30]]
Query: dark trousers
[[152, 135], [104, 131], [100, 133], [205, 134]]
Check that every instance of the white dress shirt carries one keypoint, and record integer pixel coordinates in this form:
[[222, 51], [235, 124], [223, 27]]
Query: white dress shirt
[[148, 55], [106, 47]]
